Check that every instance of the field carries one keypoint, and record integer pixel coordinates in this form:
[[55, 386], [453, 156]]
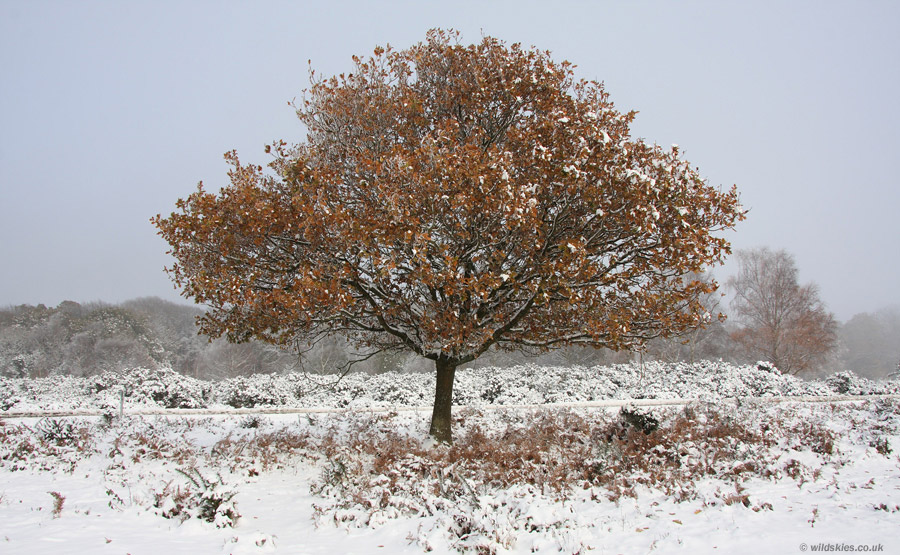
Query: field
[[712, 458]]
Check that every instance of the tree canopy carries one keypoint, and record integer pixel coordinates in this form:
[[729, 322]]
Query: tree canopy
[[449, 199]]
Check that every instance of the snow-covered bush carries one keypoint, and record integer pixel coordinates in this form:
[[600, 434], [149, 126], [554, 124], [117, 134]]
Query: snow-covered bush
[[639, 418], [55, 392], [51, 444], [9, 392], [58, 431], [162, 387], [394, 388], [518, 385], [214, 500], [257, 390], [211, 500], [848, 383]]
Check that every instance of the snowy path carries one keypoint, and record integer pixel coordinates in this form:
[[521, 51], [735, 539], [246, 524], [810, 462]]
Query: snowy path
[[609, 403]]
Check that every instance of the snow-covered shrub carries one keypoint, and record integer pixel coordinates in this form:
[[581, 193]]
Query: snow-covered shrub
[[396, 389], [256, 390], [53, 444], [848, 383], [215, 499], [842, 382], [159, 386], [251, 422], [639, 418], [56, 392], [9, 392], [172, 501], [211, 500], [518, 385], [57, 430], [350, 388]]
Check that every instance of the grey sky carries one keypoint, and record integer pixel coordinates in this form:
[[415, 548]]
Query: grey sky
[[110, 111]]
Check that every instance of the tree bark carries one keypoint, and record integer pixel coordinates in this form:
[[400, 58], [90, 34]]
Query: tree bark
[[443, 401]]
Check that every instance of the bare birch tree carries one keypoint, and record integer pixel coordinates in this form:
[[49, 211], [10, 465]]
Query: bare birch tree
[[780, 321]]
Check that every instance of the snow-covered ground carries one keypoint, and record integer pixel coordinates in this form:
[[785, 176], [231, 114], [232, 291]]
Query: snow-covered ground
[[724, 473]]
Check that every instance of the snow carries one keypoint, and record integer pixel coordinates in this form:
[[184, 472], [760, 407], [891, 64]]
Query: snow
[[729, 471], [518, 385]]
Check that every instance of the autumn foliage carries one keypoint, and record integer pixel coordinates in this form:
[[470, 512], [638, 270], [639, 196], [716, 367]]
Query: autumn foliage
[[449, 199]]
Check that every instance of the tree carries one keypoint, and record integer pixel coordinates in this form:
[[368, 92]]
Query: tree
[[74, 339], [781, 321], [449, 199]]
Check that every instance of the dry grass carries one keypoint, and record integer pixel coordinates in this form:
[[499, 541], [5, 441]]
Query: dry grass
[[372, 473], [554, 452], [58, 501], [49, 445]]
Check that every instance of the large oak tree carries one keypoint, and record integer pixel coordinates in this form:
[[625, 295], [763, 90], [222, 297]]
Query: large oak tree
[[449, 199]]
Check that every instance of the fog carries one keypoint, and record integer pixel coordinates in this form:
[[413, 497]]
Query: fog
[[111, 111]]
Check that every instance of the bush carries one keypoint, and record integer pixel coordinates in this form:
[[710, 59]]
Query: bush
[[707, 381], [208, 500], [162, 387], [57, 431], [639, 418], [254, 391], [9, 393]]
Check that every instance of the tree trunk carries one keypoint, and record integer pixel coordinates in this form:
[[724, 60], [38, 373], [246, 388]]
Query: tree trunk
[[443, 400]]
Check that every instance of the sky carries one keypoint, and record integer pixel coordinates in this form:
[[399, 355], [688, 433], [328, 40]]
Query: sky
[[111, 111]]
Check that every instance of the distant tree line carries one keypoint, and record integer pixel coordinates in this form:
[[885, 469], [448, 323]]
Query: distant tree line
[[88, 339]]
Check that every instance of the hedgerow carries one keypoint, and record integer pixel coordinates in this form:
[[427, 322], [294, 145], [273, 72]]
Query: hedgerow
[[164, 388]]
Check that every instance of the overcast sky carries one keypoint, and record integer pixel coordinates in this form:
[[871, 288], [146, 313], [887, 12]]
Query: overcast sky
[[111, 111]]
